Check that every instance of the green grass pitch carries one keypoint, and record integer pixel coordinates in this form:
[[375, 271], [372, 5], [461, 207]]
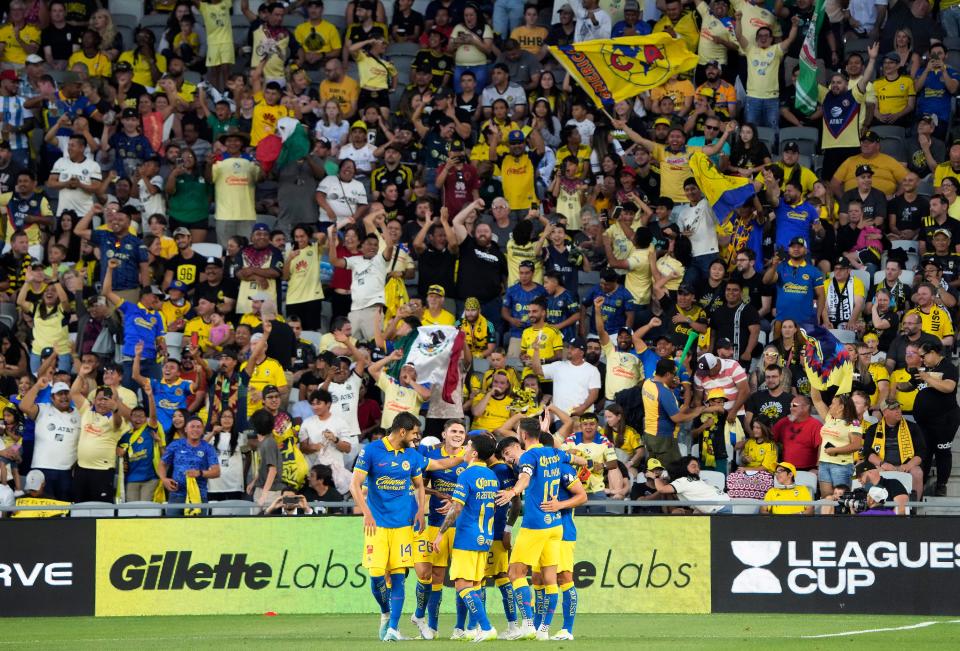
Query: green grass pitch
[[609, 632]]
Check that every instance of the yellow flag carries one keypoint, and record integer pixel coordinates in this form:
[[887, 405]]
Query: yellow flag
[[611, 70], [193, 496]]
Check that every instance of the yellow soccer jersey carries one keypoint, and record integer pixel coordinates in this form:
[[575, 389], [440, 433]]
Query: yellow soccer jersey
[[795, 493], [936, 322], [624, 370], [551, 342]]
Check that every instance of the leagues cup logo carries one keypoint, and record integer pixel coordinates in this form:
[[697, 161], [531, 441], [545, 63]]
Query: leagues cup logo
[[756, 554], [643, 65]]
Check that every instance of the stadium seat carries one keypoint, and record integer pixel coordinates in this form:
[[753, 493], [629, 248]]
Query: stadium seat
[[36, 252], [234, 507], [906, 245], [144, 512], [890, 131], [337, 8], [480, 365], [925, 188], [402, 49], [894, 148], [714, 478], [844, 336], [747, 509], [208, 249], [808, 134], [125, 20], [313, 337], [93, 510], [767, 137], [860, 45], [126, 35], [808, 479], [337, 21], [154, 20], [128, 7], [9, 321], [904, 478], [864, 277], [952, 43]]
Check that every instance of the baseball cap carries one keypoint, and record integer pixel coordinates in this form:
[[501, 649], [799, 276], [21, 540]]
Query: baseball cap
[[933, 262], [724, 343], [798, 240], [270, 388], [714, 64], [707, 361], [177, 285], [181, 231], [515, 137], [663, 121], [626, 329], [260, 296], [871, 136], [9, 75], [890, 403], [892, 56], [34, 480], [654, 464], [425, 67], [260, 226], [789, 466], [128, 113], [685, 289], [577, 342], [122, 66], [864, 169], [932, 118], [60, 387], [842, 262], [863, 467], [791, 145], [565, 7], [34, 58], [943, 231], [436, 289], [631, 5], [216, 262], [627, 170], [358, 124], [323, 140], [716, 394]]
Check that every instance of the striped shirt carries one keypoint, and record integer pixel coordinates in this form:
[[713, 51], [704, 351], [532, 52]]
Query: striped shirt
[[731, 374], [13, 113]]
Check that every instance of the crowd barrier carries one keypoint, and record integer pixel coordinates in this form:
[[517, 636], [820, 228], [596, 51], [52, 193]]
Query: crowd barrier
[[650, 564]]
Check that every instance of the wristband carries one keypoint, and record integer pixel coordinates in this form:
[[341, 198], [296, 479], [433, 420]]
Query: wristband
[[507, 529]]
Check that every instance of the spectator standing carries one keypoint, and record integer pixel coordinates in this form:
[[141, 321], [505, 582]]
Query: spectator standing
[[57, 433], [188, 458], [142, 326], [844, 114], [763, 72], [260, 269], [576, 384], [798, 283], [326, 438], [936, 412], [482, 265], [234, 175], [799, 434], [77, 177], [101, 426], [739, 323], [840, 440]]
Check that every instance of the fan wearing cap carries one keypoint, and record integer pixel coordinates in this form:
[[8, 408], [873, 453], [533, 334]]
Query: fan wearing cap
[[933, 273], [888, 173], [576, 383], [788, 491], [799, 284], [872, 201], [434, 55], [896, 444], [176, 308], [260, 269], [435, 314], [938, 220], [234, 176], [35, 491], [186, 265], [56, 434], [844, 295], [631, 25], [130, 146], [792, 169], [458, 179], [896, 95], [518, 168]]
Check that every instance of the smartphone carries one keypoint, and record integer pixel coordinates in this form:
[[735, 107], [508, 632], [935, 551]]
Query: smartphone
[[195, 341], [291, 500], [828, 446]]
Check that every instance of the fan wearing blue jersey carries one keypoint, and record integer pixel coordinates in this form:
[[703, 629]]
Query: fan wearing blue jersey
[[539, 544], [430, 560], [472, 509]]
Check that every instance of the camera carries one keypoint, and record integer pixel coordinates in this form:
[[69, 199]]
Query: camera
[[782, 253], [290, 501], [852, 502]]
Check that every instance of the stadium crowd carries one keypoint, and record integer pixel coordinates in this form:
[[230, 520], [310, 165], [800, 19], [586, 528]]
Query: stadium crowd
[[220, 219]]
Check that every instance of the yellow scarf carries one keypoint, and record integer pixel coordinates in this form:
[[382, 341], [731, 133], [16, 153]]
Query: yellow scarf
[[193, 496], [904, 441], [478, 334]]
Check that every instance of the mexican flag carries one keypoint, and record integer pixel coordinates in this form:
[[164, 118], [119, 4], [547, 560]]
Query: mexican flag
[[435, 352], [288, 144], [806, 99]]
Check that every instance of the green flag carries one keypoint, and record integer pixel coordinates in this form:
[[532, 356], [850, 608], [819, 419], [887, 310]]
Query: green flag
[[806, 99]]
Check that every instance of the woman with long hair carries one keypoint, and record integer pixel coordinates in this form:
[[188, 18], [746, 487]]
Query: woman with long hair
[[625, 439], [178, 424], [935, 409], [548, 90], [158, 119], [790, 345], [950, 188], [759, 451], [63, 234], [406, 24], [747, 154], [148, 64], [156, 263], [180, 11], [188, 196], [909, 57], [471, 43], [841, 438], [301, 270], [14, 357], [770, 357], [111, 40], [501, 119], [332, 126], [51, 316], [378, 77], [230, 444], [546, 121]]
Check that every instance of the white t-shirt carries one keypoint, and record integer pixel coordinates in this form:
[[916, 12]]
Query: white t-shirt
[[689, 489], [586, 129], [585, 30], [86, 171], [346, 397], [57, 434], [231, 466], [335, 133], [362, 156], [369, 279], [312, 430], [700, 220], [342, 197], [571, 384], [513, 95], [153, 203]]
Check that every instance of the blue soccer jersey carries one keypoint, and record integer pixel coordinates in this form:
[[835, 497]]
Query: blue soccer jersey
[[476, 490], [568, 477], [442, 481], [169, 398], [543, 465], [390, 474], [507, 478]]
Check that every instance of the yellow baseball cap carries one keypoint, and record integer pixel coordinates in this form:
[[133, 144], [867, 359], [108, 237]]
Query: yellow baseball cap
[[716, 394], [789, 466], [654, 464], [359, 124]]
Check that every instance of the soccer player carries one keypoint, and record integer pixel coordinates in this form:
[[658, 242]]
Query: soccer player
[[571, 494], [540, 472], [473, 499], [430, 560], [498, 558]]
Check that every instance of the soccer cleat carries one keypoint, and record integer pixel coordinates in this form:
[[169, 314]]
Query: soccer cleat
[[543, 636], [563, 634], [486, 636], [527, 632], [512, 631], [421, 624], [430, 634], [384, 624], [458, 634], [392, 635]]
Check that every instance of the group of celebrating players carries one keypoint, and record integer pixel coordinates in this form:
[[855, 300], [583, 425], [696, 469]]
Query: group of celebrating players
[[474, 484]]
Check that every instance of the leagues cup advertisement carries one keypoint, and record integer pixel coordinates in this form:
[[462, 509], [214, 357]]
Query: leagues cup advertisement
[[312, 565]]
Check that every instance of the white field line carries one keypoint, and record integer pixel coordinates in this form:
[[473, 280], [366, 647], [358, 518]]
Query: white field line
[[881, 630]]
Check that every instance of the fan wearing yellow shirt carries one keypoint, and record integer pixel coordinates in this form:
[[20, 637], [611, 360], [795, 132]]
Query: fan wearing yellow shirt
[[518, 167], [549, 338], [318, 39], [270, 105], [492, 410], [934, 320], [402, 396], [896, 94], [220, 46], [786, 475], [266, 371], [640, 263], [271, 44], [716, 38], [147, 64], [18, 38], [624, 368], [679, 24], [763, 72], [90, 55], [434, 314]]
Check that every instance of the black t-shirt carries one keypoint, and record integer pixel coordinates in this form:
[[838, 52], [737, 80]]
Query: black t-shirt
[[723, 320], [356, 33], [769, 409], [282, 343], [303, 356], [482, 270], [441, 64], [215, 294], [186, 270], [677, 332], [932, 401], [649, 185], [891, 452], [875, 205], [8, 177], [949, 262], [894, 488], [436, 268], [930, 226], [60, 41], [466, 110], [753, 288], [909, 214], [406, 25], [710, 298], [557, 36]]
